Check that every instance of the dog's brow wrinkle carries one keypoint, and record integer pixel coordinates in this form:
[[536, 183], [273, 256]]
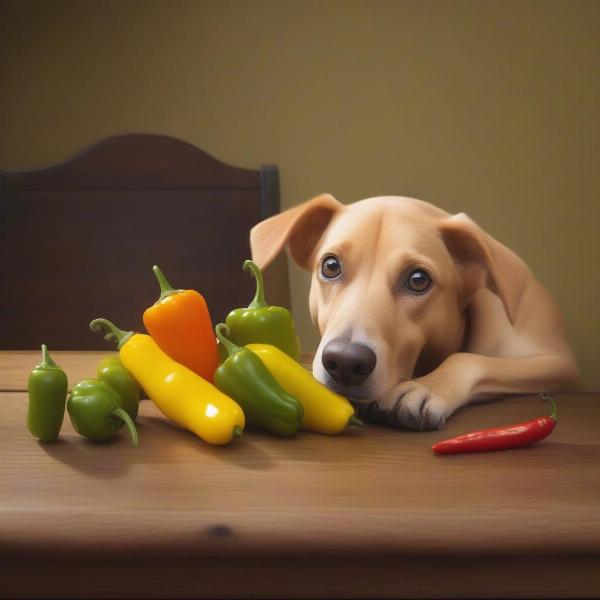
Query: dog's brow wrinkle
[[340, 249], [401, 262]]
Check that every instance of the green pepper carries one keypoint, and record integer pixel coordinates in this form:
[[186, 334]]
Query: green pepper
[[47, 385], [97, 413], [261, 323], [112, 371], [245, 378]]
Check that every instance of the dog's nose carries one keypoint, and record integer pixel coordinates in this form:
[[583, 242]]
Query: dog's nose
[[347, 363]]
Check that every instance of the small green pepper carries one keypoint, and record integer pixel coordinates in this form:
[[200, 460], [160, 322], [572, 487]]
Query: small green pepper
[[97, 413], [244, 377], [112, 371], [47, 385], [261, 323]]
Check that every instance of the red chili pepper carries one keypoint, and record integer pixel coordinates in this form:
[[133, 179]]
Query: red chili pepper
[[501, 438]]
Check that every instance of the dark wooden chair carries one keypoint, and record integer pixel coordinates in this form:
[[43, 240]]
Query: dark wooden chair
[[78, 240]]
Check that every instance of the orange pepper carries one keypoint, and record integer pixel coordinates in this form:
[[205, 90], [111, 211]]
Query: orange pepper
[[180, 324]]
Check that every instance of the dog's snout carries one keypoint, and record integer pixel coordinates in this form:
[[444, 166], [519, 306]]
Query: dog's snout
[[347, 363]]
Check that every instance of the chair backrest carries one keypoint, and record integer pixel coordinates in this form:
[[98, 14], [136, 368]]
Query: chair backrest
[[78, 240]]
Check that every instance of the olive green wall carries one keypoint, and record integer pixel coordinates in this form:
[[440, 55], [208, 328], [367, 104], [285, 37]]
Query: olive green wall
[[491, 107]]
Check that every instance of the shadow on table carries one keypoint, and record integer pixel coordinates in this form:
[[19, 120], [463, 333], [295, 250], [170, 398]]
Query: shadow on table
[[244, 452], [258, 450], [86, 456], [308, 446], [164, 443], [161, 442]]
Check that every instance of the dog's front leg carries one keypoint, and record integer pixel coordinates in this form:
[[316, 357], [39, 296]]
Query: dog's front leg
[[427, 402]]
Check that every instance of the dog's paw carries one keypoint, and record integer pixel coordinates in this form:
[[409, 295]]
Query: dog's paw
[[417, 408]]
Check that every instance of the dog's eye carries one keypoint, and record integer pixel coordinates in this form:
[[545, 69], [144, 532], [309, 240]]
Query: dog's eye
[[331, 267], [418, 281]]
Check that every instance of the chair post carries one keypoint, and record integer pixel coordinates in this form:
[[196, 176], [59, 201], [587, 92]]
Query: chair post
[[277, 282], [269, 191]]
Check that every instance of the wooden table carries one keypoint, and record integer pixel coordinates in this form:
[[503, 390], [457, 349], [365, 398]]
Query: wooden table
[[371, 512]]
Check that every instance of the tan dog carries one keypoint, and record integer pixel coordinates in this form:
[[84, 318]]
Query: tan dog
[[420, 312]]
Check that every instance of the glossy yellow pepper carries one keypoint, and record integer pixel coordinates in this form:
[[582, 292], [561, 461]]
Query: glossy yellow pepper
[[179, 393], [324, 410]]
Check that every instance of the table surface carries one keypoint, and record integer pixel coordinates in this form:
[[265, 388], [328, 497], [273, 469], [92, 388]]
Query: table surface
[[367, 492]]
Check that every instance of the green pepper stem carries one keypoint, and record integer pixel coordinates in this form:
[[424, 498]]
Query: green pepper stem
[[166, 289], [47, 362], [553, 414], [237, 431], [354, 420], [111, 331], [222, 330], [119, 413], [259, 298]]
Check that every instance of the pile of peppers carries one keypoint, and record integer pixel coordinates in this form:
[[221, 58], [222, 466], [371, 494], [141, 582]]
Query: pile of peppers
[[211, 381], [98, 408]]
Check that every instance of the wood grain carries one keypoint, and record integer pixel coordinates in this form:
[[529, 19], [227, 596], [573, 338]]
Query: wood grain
[[15, 365], [371, 512], [375, 489]]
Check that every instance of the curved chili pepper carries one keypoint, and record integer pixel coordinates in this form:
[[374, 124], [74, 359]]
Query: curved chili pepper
[[179, 322], [501, 438]]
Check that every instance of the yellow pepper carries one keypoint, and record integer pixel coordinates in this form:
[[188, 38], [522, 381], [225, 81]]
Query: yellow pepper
[[324, 410], [179, 393]]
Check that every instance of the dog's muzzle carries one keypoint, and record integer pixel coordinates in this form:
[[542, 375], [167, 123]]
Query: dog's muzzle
[[347, 363]]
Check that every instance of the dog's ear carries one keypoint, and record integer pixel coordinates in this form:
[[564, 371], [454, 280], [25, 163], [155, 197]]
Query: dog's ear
[[300, 228], [482, 260]]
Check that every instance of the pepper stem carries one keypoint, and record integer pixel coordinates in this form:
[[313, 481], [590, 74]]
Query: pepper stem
[[119, 413], [553, 414], [222, 330], [237, 431], [47, 362], [166, 289], [111, 331], [354, 420], [259, 298]]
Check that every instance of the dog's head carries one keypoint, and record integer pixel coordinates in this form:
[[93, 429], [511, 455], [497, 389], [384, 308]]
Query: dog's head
[[391, 279]]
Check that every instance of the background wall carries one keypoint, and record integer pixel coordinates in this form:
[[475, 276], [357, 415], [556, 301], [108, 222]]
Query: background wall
[[491, 107]]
